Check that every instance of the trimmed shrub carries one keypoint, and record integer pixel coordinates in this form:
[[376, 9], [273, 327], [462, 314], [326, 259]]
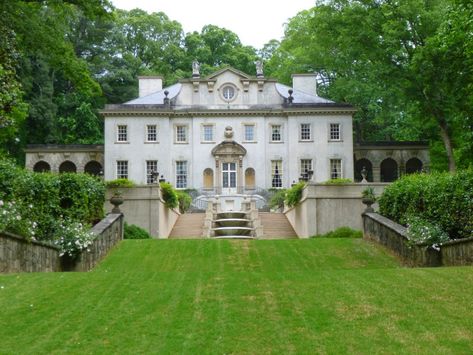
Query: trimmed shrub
[[338, 181], [294, 194], [132, 231], [169, 195], [342, 232], [442, 199], [184, 200], [119, 183]]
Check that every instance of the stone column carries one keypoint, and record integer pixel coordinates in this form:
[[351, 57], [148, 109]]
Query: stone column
[[376, 172]]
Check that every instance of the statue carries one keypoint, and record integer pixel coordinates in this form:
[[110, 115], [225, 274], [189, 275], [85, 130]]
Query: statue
[[259, 69], [195, 69], [228, 133], [364, 174]]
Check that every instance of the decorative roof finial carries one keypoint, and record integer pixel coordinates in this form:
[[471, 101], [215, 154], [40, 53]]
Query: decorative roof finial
[[259, 69], [166, 100], [195, 69], [290, 98]]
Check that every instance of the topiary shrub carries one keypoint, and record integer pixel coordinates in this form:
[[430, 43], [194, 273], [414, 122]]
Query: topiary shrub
[[342, 232], [338, 181], [169, 195], [442, 199], [119, 183], [294, 194], [132, 231]]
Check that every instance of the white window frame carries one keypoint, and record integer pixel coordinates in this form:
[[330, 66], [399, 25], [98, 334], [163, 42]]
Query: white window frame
[[122, 135], [151, 165], [272, 133], [122, 169], [148, 133], [301, 132], [203, 137], [302, 166], [331, 167], [182, 178], [332, 132], [177, 136], [280, 173], [244, 132]]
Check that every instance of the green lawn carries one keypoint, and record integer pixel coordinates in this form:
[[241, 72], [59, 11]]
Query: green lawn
[[215, 296]]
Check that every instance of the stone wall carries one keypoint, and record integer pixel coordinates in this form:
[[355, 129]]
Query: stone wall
[[144, 207], [394, 237], [109, 232], [19, 255], [324, 208]]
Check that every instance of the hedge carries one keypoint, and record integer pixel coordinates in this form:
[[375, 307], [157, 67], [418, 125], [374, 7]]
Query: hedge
[[443, 199], [47, 198]]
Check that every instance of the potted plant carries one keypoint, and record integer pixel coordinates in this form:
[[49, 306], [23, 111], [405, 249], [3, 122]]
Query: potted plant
[[368, 198]]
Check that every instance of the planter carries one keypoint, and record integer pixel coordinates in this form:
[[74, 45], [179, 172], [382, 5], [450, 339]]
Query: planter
[[368, 201], [116, 201]]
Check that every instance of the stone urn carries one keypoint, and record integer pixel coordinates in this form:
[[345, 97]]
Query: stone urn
[[368, 201], [116, 200]]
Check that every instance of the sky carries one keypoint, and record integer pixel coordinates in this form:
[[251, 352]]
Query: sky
[[255, 22]]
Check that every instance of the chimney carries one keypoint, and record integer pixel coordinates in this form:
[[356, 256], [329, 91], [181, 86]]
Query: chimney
[[149, 84], [306, 83]]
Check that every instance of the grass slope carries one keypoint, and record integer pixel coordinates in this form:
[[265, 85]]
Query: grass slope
[[194, 296]]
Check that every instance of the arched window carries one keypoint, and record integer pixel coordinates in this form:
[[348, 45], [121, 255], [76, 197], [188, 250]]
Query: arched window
[[67, 167], [359, 165], [249, 178], [93, 168], [208, 179], [389, 170], [413, 165], [41, 167]]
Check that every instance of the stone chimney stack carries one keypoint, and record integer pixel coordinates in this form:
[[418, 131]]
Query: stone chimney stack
[[306, 83], [149, 84]]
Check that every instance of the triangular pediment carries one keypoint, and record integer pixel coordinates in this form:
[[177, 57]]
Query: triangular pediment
[[229, 69]]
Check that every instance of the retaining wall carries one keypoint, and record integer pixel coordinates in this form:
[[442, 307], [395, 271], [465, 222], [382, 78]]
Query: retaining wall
[[17, 254], [324, 208], [394, 236]]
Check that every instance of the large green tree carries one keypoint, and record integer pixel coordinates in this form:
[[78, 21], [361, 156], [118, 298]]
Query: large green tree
[[383, 57]]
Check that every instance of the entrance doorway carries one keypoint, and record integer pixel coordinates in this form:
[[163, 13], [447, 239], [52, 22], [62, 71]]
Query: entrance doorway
[[229, 179]]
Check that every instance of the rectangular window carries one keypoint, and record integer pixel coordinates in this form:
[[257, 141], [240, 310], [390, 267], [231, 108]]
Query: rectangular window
[[122, 133], [306, 165], [151, 169], [334, 131], [276, 173], [122, 169], [181, 174], [305, 134], [249, 133], [151, 133], [208, 133], [335, 168], [181, 134], [276, 133]]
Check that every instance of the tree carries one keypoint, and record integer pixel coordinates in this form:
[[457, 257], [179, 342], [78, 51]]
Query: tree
[[384, 57]]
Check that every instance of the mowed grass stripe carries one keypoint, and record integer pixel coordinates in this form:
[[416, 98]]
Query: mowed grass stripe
[[317, 296]]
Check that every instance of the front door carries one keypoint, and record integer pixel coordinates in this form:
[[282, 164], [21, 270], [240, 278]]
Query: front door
[[229, 183]]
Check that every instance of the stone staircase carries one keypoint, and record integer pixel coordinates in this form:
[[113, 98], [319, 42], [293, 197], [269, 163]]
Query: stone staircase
[[188, 226], [276, 226]]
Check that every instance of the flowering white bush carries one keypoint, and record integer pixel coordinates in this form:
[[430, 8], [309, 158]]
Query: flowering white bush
[[422, 231], [72, 238], [13, 218]]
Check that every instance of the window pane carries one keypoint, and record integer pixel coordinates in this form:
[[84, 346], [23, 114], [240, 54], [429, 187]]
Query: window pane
[[208, 133], [335, 168], [276, 173], [305, 132], [276, 133], [306, 165], [181, 174], [151, 133], [249, 132], [151, 167], [181, 134], [335, 131], [122, 133], [122, 169]]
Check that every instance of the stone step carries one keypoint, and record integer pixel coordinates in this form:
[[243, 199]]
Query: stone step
[[188, 226], [276, 226]]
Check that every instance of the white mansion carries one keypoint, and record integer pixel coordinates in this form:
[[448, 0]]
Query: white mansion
[[230, 132]]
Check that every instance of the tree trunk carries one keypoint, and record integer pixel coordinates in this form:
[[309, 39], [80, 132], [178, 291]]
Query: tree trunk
[[447, 141]]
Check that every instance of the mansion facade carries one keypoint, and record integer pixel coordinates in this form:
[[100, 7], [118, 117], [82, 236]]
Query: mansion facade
[[231, 132]]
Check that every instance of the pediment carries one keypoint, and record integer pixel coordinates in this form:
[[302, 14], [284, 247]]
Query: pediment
[[227, 148], [238, 73]]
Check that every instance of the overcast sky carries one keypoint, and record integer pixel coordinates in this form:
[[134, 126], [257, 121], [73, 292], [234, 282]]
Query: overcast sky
[[254, 21]]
